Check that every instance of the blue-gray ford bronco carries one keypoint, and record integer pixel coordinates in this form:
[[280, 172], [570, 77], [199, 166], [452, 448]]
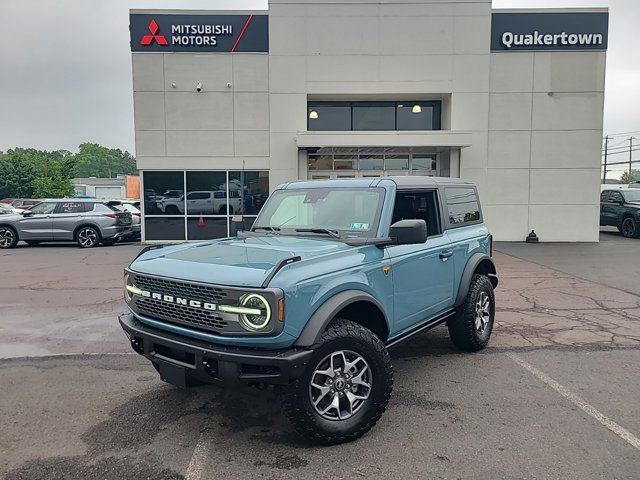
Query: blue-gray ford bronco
[[330, 276]]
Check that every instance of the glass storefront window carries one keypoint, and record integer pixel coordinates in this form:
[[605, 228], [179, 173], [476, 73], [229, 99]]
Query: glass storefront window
[[372, 117], [396, 162], [423, 162], [164, 228], [206, 228], [345, 162], [419, 116], [371, 162], [247, 192], [211, 198], [206, 193], [329, 117], [163, 193], [320, 162]]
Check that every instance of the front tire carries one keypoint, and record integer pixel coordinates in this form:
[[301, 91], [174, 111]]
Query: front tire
[[8, 237], [471, 327], [345, 388], [629, 227], [87, 237]]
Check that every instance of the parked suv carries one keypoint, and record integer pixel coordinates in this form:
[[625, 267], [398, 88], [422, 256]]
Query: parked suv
[[330, 276], [87, 222], [621, 208]]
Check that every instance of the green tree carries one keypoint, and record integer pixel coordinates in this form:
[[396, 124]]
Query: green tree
[[17, 175], [54, 184], [628, 177], [94, 160]]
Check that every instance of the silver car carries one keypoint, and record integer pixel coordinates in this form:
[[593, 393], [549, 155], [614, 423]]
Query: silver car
[[86, 222]]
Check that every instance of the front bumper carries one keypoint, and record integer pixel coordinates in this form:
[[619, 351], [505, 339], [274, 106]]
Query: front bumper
[[181, 360]]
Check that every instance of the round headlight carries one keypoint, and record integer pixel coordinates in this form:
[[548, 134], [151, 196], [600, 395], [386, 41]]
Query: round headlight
[[255, 321]]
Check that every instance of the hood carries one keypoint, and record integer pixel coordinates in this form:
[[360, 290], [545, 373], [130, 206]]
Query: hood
[[244, 262]]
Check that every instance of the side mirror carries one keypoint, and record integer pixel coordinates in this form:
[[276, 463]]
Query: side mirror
[[408, 232], [28, 213]]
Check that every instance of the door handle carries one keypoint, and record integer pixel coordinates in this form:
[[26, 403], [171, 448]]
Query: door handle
[[446, 254]]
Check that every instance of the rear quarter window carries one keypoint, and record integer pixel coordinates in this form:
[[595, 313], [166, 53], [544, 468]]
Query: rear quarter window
[[463, 206]]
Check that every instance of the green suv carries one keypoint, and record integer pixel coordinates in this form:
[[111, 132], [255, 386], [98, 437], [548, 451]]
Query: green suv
[[621, 208]]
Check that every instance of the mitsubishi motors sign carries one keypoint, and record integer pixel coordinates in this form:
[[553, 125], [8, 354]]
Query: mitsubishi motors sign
[[198, 33]]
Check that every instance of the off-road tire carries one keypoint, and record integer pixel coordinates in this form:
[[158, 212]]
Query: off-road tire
[[10, 240], [462, 326], [341, 335]]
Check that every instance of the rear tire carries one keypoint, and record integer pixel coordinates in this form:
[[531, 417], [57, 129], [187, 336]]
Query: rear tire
[[32, 243], [87, 237], [8, 237], [353, 398], [471, 327]]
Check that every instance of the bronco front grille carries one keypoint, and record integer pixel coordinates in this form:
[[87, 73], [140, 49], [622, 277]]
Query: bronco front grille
[[180, 289], [198, 318]]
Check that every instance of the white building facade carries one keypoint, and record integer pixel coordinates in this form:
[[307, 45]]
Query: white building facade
[[230, 104]]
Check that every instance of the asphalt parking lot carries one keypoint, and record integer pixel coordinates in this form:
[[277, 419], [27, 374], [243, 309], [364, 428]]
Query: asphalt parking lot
[[554, 396]]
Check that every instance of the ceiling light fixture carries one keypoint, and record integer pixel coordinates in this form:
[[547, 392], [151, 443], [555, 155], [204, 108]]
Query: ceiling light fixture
[[313, 114], [416, 109]]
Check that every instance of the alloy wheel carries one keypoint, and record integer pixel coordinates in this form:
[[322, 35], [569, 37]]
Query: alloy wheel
[[628, 227], [7, 237], [483, 312], [87, 237], [340, 385]]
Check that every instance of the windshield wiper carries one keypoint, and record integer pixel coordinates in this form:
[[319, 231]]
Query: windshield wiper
[[326, 231], [267, 228]]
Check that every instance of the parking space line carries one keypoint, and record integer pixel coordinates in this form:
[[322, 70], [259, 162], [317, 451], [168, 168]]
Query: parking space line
[[198, 459], [622, 432]]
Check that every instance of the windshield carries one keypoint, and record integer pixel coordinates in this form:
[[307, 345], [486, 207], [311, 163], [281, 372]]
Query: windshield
[[348, 211], [631, 195]]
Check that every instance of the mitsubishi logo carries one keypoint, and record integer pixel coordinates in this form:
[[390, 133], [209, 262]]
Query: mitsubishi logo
[[148, 39]]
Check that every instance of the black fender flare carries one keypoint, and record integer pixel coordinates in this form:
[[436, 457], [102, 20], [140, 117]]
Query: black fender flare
[[474, 261], [327, 312]]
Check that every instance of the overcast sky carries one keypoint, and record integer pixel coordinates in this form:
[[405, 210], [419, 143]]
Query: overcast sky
[[65, 68]]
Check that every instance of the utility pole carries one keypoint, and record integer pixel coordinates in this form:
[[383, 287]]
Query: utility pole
[[630, 150], [606, 148]]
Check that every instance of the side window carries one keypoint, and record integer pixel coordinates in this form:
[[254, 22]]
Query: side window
[[615, 197], [44, 208], [198, 196], [462, 205], [71, 207], [605, 196], [418, 205]]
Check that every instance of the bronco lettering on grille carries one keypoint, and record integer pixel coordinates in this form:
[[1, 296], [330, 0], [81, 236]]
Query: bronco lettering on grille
[[179, 300]]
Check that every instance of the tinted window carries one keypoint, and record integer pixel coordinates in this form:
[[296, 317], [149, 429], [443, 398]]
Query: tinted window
[[371, 117], [328, 117], [418, 205], [198, 195], [163, 191], [604, 196], [462, 204], [159, 228], [44, 208], [249, 191], [419, 116], [204, 228], [72, 207], [631, 195], [615, 197]]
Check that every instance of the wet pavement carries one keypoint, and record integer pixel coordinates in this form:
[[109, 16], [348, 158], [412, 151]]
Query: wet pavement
[[452, 415]]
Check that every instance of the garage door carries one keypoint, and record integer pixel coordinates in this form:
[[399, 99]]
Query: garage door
[[109, 193]]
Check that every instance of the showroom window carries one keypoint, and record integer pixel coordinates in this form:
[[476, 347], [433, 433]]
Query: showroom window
[[198, 205], [373, 116]]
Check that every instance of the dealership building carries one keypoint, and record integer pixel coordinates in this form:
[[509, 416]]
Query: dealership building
[[230, 104]]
